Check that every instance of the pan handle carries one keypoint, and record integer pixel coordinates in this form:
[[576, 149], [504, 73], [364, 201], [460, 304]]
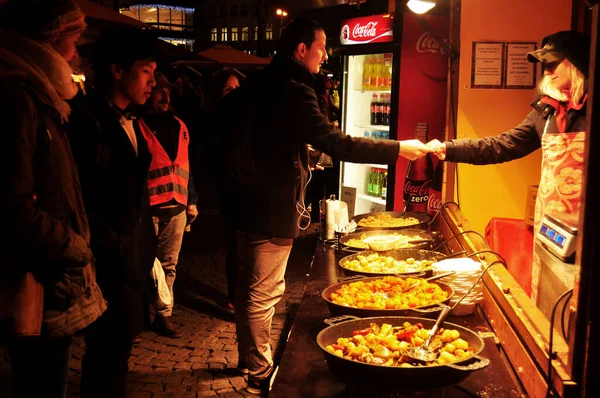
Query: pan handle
[[429, 310], [479, 363], [350, 278], [339, 319]]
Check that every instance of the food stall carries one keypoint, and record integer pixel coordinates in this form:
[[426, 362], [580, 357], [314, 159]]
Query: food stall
[[531, 349]]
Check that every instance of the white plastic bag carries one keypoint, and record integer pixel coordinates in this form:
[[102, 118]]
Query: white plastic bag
[[163, 295]]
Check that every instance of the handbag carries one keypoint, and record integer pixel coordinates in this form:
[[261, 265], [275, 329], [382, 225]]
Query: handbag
[[22, 309]]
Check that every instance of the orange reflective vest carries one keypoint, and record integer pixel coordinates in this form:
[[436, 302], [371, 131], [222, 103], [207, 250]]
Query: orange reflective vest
[[168, 179]]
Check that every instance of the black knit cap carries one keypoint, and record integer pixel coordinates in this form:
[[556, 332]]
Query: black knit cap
[[569, 44]]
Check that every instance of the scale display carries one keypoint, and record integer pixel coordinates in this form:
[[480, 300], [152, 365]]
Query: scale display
[[558, 238]]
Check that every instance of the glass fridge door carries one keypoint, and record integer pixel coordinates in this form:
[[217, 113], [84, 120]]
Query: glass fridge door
[[366, 112]]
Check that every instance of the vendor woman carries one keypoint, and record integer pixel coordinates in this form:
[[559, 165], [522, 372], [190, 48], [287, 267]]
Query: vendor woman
[[557, 124]]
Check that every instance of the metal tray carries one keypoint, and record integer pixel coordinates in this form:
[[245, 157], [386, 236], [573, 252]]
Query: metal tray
[[424, 220]]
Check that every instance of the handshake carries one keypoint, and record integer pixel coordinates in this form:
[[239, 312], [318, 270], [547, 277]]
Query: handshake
[[415, 149]]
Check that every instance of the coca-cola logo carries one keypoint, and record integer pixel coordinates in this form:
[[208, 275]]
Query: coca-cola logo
[[435, 203], [428, 44], [345, 32], [417, 188], [368, 30]]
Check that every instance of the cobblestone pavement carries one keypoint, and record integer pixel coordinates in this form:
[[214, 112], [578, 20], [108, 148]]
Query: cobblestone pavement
[[202, 362]]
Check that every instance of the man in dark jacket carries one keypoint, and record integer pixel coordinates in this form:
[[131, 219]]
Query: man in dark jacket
[[114, 160], [277, 115]]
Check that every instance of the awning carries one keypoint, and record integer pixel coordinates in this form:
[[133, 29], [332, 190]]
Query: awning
[[229, 56], [97, 12]]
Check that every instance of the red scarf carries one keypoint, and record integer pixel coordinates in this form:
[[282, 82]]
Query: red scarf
[[562, 108]]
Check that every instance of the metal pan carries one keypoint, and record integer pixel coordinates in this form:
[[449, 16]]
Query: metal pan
[[429, 311], [398, 254], [419, 378], [423, 220], [424, 241]]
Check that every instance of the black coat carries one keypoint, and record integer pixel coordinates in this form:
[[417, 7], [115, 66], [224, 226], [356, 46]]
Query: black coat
[[115, 195], [282, 108], [516, 142]]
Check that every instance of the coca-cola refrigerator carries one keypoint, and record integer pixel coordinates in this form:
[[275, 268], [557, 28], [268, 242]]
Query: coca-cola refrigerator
[[391, 82]]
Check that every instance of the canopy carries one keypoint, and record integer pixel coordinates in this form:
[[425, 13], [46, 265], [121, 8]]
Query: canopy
[[229, 56]]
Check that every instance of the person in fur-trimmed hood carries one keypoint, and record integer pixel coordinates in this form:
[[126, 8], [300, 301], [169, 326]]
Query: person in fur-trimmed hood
[[41, 198]]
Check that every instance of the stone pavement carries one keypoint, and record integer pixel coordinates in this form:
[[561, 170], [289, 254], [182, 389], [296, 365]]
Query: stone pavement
[[202, 362]]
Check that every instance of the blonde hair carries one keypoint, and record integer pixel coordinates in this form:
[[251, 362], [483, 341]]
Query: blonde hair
[[578, 86]]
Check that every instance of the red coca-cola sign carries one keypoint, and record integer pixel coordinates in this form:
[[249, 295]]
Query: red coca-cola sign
[[373, 29]]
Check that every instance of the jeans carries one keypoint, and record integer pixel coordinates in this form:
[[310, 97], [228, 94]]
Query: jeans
[[260, 286], [40, 367], [169, 231], [105, 364]]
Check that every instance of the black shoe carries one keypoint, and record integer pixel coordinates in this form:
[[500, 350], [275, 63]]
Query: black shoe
[[242, 367], [262, 387], [164, 326]]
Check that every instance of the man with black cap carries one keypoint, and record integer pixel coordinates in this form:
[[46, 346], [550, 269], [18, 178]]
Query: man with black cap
[[113, 160], [557, 124]]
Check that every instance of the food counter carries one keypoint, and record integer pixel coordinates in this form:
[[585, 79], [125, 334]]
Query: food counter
[[304, 372]]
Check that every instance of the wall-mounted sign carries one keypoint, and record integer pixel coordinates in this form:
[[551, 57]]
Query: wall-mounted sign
[[372, 29], [520, 73], [502, 65], [486, 65]]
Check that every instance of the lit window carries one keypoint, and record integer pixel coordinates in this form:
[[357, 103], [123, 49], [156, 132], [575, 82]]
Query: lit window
[[256, 33], [269, 33], [234, 34], [224, 34], [245, 33], [214, 35]]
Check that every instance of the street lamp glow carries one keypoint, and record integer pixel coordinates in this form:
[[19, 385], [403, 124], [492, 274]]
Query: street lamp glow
[[281, 12]]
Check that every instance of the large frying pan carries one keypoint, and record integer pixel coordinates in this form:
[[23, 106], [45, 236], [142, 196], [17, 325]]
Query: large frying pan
[[398, 254], [402, 379], [423, 218], [424, 241], [429, 311]]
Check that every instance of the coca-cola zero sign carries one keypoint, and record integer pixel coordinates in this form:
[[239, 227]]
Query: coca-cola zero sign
[[373, 29]]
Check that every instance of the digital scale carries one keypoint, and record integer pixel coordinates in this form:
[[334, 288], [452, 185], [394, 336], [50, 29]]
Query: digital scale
[[555, 245], [558, 238]]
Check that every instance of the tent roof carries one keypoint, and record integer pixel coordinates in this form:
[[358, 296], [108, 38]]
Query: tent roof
[[105, 14], [227, 55]]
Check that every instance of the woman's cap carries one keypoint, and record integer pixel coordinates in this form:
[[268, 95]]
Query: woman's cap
[[569, 44]]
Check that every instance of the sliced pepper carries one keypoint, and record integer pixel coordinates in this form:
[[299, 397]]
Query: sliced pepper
[[362, 332]]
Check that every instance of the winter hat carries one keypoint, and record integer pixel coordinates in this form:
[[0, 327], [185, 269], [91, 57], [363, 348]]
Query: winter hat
[[161, 81], [569, 44], [43, 20]]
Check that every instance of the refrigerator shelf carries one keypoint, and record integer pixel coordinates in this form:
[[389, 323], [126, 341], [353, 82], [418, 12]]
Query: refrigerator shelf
[[373, 91], [379, 166], [374, 126], [372, 198]]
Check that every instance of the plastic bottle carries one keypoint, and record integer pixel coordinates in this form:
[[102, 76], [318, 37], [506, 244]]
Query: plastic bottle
[[379, 74], [387, 109], [370, 182], [374, 110], [384, 185], [387, 72], [419, 176], [367, 73], [377, 183], [435, 192]]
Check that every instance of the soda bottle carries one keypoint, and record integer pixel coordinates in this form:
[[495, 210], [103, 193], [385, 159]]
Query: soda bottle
[[384, 186], [419, 176], [377, 183], [387, 109], [367, 73], [370, 182], [374, 109], [378, 73], [387, 72], [435, 192]]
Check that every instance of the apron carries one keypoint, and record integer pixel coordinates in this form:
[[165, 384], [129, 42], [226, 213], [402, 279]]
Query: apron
[[559, 191]]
